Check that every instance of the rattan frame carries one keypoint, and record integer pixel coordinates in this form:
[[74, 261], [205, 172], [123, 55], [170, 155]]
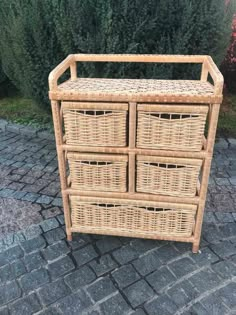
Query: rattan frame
[[58, 94]]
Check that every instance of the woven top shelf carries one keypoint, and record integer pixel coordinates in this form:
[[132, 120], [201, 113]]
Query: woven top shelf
[[137, 90], [142, 90]]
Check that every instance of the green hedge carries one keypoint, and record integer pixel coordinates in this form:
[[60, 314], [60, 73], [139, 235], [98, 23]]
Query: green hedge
[[5, 85], [2, 75], [29, 46], [36, 35]]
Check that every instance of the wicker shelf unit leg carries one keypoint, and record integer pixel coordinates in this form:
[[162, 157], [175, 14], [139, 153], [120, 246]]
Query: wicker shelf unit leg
[[213, 119], [57, 121]]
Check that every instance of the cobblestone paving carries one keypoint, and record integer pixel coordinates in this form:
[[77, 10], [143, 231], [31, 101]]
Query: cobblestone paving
[[42, 273]]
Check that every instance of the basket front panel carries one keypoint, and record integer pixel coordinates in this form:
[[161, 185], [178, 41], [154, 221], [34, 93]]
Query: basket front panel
[[98, 128], [123, 217], [184, 132], [96, 175], [175, 179]]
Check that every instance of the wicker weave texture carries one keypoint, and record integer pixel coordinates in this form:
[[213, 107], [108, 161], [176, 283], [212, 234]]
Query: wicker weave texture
[[124, 216], [98, 172], [167, 176], [95, 127], [154, 129], [169, 129], [94, 89], [137, 87]]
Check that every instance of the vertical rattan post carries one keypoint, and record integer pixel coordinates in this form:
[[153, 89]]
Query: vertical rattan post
[[57, 121], [131, 173], [132, 141], [204, 72], [132, 125], [213, 118], [73, 71]]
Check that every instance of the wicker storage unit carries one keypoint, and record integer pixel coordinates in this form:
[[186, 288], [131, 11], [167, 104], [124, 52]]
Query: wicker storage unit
[[138, 152]]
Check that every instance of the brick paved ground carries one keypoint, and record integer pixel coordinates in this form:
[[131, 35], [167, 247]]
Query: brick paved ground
[[41, 273]]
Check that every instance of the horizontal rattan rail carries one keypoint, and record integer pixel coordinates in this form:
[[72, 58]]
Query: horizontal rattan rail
[[95, 105], [134, 234], [126, 150], [138, 196]]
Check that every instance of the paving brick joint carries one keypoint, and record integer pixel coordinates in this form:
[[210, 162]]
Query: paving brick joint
[[42, 273]]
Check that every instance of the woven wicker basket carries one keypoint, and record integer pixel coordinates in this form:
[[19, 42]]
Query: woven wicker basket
[[129, 217], [167, 176], [95, 124], [171, 127], [98, 172]]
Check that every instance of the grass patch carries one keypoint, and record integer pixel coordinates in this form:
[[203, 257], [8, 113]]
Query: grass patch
[[24, 111], [227, 118]]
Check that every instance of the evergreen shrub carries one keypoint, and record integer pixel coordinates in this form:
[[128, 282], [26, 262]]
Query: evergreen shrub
[[36, 35]]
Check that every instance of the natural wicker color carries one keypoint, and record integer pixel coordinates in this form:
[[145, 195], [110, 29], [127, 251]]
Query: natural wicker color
[[137, 120], [141, 90], [167, 176], [123, 216], [81, 89], [171, 127], [95, 125], [98, 172]]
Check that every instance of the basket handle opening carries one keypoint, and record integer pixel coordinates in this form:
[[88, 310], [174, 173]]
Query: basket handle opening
[[163, 165], [95, 113], [168, 116], [152, 209], [106, 205], [96, 163]]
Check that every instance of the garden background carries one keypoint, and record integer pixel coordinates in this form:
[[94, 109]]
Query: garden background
[[36, 35]]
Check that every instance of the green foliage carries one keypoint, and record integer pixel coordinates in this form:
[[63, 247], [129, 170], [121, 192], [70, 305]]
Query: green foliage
[[6, 87], [29, 47], [35, 35], [2, 75]]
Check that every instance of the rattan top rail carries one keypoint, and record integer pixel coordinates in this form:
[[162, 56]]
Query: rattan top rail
[[137, 90]]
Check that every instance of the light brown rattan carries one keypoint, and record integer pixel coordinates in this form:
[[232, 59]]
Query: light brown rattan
[[167, 176], [171, 127], [122, 216], [126, 131], [98, 172], [95, 124], [137, 90], [141, 90]]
